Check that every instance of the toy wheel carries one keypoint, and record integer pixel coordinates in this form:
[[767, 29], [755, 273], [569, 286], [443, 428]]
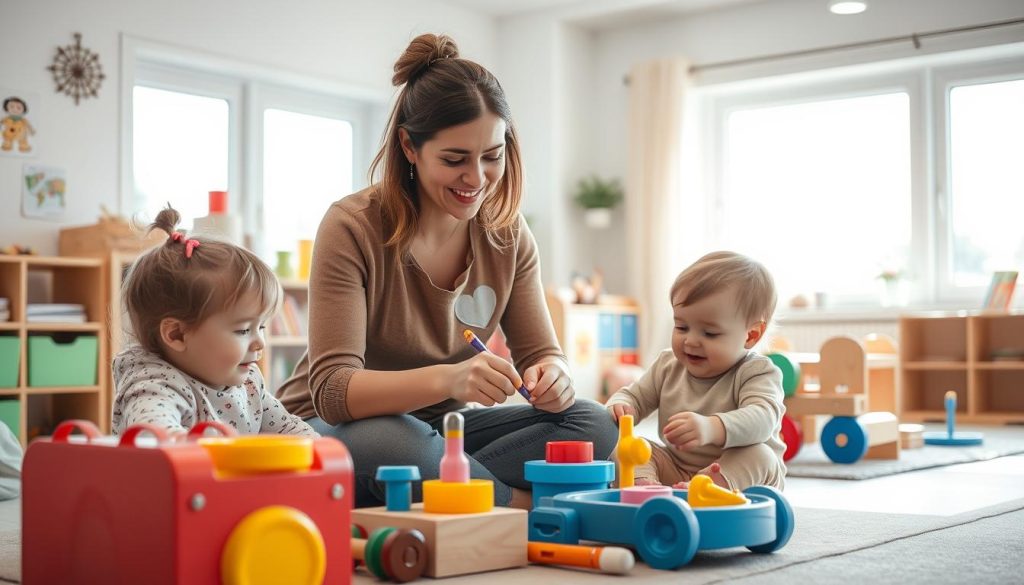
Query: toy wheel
[[792, 436], [784, 518], [404, 555], [374, 552], [666, 533], [790, 372], [357, 532], [844, 439]]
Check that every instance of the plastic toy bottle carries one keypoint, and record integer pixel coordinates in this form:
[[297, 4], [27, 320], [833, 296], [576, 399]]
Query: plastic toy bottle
[[454, 463]]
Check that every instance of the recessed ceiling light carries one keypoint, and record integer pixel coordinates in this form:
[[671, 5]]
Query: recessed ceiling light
[[847, 6]]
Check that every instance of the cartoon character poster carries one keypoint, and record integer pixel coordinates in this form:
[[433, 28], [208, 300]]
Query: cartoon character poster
[[43, 192], [17, 128]]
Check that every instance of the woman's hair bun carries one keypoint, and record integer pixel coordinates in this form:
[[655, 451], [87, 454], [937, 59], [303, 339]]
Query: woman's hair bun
[[420, 54]]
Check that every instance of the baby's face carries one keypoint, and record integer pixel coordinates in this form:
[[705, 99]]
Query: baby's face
[[223, 348], [711, 335]]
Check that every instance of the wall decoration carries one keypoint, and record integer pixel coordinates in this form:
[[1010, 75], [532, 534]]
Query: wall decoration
[[43, 192], [17, 122], [76, 70]]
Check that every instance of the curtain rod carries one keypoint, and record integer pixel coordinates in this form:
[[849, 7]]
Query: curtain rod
[[914, 38]]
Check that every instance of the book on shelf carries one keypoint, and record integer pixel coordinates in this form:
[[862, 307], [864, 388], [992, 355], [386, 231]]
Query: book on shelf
[[290, 321], [55, 313], [1000, 290]]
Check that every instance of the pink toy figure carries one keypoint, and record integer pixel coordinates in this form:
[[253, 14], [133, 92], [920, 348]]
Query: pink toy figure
[[454, 463]]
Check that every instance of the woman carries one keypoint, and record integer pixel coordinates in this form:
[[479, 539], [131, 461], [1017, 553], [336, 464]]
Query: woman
[[401, 269]]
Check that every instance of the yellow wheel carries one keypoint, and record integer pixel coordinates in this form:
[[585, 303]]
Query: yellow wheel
[[273, 545]]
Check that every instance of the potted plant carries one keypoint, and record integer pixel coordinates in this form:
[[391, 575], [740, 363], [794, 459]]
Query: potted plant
[[597, 197]]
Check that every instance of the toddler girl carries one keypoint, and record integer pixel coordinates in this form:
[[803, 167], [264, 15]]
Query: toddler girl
[[197, 309]]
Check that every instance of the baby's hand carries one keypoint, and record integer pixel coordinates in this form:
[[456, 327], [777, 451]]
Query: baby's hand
[[687, 430], [619, 410]]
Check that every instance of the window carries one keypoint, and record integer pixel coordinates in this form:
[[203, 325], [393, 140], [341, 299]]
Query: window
[[179, 151], [307, 166], [986, 131], [910, 167], [820, 191], [305, 143]]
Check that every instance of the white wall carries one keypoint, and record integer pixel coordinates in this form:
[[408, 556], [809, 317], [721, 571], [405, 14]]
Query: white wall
[[352, 43], [759, 29]]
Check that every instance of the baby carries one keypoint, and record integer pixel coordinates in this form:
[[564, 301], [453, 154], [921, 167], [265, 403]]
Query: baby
[[719, 403]]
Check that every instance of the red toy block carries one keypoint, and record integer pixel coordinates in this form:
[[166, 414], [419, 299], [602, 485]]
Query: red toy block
[[101, 511], [569, 452]]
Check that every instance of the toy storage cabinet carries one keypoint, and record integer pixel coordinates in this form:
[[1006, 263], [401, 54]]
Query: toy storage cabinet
[[596, 338], [942, 352], [33, 396]]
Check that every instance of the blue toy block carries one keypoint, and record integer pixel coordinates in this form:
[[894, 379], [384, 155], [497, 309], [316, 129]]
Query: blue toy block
[[560, 525], [551, 479], [398, 485]]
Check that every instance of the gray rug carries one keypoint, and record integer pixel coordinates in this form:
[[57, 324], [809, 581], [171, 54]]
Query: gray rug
[[986, 550], [999, 441]]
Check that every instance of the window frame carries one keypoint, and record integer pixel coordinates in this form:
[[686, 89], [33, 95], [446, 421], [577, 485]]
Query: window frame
[[927, 81], [945, 79], [248, 88]]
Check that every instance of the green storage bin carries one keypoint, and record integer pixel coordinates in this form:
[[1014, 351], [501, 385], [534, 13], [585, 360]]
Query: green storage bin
[[54, 360], [10, 414], [10, 350]]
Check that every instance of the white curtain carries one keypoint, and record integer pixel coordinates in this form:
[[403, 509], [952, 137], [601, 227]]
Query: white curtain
[[654, 223]]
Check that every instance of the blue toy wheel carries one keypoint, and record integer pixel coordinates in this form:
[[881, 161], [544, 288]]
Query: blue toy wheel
[[666, 533], [844, 439], [784, 518]]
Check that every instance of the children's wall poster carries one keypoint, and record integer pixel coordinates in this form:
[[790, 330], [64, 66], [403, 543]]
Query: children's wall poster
[[17, 122], [43, 192]]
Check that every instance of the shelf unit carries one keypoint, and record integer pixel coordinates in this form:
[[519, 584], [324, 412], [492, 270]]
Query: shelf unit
[[595, 338], [284, 351], [26, 279], [957, 351]]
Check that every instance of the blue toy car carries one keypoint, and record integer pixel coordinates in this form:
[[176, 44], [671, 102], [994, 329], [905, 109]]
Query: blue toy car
[[666, 531]]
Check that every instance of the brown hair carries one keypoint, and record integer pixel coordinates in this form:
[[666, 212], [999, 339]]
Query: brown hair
[[164, 283], [717, 271], [440, 90]]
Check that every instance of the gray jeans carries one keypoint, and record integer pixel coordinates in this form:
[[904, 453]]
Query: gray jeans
[[498, 441]]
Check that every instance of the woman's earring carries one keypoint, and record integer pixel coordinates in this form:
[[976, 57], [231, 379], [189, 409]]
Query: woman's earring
[[412, 177]]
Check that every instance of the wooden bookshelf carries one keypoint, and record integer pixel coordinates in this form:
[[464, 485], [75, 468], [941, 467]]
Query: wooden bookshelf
[[283, 351], [969, 353], [31, 279], [595, 338]]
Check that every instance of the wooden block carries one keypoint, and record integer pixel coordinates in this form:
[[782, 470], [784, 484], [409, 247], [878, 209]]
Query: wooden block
[[884, 451], [882, 427], [459, 544], [911, 436], [843, 363], [834, 404]]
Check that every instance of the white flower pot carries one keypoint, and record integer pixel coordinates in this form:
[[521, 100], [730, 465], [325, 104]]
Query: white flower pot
[[598, 217]]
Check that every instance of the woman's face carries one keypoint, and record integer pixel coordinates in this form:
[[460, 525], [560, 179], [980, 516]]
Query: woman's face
[[460, 166]]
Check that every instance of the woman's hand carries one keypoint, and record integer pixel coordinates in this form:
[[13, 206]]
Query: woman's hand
[[550, 387], [484, 378]]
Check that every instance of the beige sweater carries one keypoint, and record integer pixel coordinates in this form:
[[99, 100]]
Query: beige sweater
[[747, 398], [373, 307]]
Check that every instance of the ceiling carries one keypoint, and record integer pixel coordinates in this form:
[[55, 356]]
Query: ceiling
[[598, 14]]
